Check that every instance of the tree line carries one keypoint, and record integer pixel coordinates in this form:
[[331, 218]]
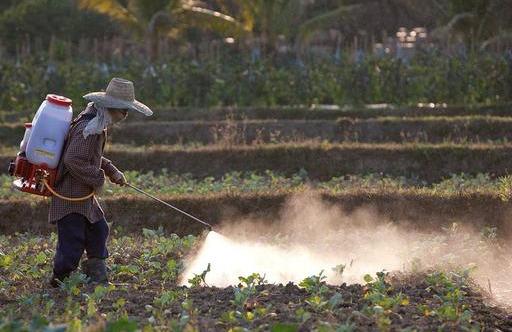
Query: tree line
[[265, 25]]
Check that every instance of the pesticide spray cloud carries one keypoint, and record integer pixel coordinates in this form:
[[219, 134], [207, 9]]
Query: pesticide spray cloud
[[311, 236]]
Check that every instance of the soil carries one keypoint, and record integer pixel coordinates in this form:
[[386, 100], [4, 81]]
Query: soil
[[283, 301]]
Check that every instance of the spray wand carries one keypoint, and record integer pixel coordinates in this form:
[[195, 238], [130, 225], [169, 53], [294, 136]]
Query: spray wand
[[171, 206]]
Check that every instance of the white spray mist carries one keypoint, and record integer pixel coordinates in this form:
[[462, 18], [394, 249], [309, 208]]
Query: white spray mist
[[311, 236]]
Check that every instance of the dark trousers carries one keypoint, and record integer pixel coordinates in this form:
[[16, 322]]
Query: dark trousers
[[76, 234]]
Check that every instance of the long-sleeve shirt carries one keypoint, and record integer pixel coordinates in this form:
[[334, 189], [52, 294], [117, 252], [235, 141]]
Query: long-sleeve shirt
[[82, 169]]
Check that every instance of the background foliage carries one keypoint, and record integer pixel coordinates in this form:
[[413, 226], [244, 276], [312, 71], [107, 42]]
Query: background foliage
[[479, 78], [286, 52]]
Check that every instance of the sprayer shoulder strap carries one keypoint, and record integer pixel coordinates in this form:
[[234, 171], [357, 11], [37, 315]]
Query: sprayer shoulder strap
[[61, 169]]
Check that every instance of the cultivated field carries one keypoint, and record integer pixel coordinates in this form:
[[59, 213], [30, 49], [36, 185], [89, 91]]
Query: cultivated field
[[381, 219]]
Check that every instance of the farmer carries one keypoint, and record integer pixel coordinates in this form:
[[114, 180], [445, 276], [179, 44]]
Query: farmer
[[81, 225]]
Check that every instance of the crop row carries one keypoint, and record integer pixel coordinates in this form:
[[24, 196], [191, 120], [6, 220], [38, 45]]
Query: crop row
[[388, 129], [231, 80], [144, 294], [321, 112], [171, 184]]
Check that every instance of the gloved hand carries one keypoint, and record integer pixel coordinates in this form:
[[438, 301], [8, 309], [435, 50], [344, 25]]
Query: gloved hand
[[118, 178]]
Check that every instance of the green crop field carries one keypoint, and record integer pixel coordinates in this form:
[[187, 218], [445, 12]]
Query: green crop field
[[145, 292], [422, 174], [319, 165]]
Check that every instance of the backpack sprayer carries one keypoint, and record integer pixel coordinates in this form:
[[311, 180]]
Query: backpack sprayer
[[35, 166]]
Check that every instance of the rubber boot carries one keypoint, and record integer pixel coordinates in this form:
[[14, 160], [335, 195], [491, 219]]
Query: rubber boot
[[96, 270]]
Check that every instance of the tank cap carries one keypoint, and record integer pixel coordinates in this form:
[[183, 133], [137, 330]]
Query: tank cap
[[59, 100]]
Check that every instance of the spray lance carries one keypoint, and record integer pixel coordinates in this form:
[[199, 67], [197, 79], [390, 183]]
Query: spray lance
[[171, 206]]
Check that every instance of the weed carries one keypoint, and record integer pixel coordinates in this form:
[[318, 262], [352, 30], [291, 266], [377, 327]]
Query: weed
[[199, 280], [246, 289], [72, 284], [315, 284]]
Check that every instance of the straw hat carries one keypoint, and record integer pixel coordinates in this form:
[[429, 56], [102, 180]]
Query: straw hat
[[119, 94]]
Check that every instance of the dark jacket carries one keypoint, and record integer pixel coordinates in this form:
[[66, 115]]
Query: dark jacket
[[82, 169]]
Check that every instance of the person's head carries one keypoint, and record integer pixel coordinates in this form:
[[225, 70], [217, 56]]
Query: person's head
[[117, 114]]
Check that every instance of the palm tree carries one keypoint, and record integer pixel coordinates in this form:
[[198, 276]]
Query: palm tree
[[156, 18]]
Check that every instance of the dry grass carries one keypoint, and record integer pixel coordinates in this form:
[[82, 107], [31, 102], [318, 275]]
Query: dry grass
[[323, 161], [410, 208], [310, 113], [232, 132]]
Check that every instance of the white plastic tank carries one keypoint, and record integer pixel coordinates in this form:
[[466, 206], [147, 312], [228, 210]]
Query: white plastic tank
[[49, 130], [26, 136]]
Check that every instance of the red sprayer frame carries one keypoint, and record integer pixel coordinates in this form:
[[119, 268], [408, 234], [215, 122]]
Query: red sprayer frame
[[30, 176]]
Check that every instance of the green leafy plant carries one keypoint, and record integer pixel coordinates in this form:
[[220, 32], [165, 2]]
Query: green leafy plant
[[71, 285], [315, 284], [199, 280], [451, 295], [381, 302], [246, 289]]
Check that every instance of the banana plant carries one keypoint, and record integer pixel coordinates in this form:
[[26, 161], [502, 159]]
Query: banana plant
[[156, 18]]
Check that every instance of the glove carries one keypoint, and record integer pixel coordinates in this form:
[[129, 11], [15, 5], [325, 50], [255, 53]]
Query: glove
[[118, 178]]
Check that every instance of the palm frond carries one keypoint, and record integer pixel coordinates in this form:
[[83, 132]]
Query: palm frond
[[213, 20], [454, 25], [504, 36], [249, 12], [160, 21], [343, 14], [111, 8]]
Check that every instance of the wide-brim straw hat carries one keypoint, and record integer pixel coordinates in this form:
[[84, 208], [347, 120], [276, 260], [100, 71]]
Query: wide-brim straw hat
[[119, 94]]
